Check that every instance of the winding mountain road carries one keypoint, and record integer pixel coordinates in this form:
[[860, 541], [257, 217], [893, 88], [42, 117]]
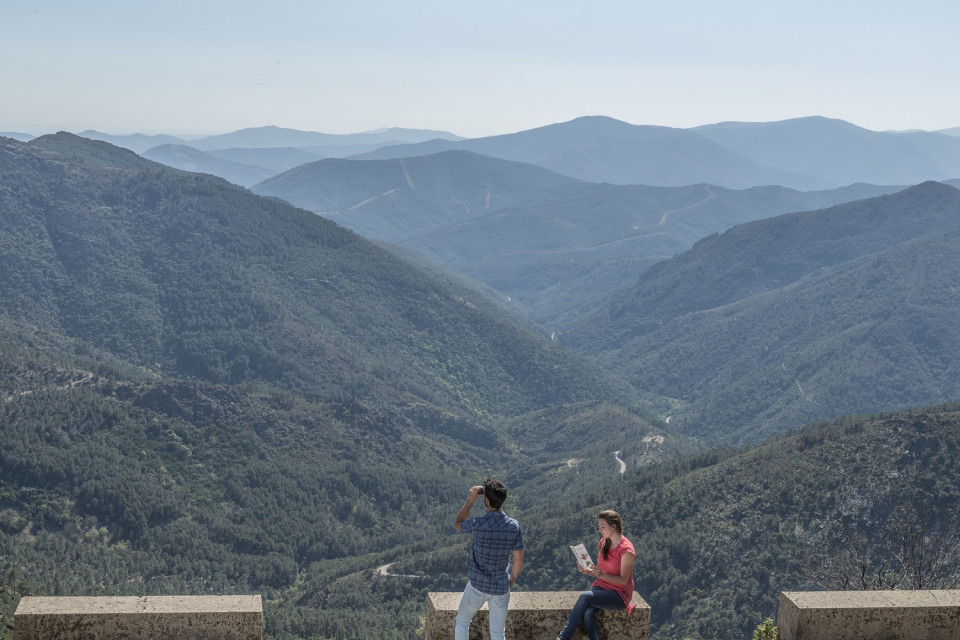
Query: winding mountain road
[[623, 465], [384, 570]]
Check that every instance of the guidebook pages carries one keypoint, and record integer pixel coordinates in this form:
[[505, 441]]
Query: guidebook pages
[[583, 556]]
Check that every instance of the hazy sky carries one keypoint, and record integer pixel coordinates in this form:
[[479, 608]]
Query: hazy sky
[[472, 68]]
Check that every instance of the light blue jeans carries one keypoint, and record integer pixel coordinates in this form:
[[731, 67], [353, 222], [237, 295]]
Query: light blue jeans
[[470, 603], [587, 606]]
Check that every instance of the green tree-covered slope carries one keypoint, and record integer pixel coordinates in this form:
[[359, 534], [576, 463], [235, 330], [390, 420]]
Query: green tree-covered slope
[[787, 320], [118, 486], [185, 275], [206, 391], [720, 535]]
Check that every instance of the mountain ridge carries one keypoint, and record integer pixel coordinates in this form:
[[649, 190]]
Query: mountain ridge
[[602, 149], [809, 153], [847, 153], [543, 240], [778, 311], [273, 136], [414, 194]]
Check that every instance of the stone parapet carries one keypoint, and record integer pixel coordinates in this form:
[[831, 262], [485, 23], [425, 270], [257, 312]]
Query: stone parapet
[[139, 618], [869, 615], [533, 615]]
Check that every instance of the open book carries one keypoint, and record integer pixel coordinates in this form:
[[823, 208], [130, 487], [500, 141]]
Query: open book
[[583, 556]]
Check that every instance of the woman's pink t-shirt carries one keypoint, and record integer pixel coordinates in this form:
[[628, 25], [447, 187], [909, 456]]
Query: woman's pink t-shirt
[[611, 566]]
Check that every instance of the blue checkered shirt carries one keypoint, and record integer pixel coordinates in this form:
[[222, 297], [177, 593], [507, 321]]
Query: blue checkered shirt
[[495, 537]]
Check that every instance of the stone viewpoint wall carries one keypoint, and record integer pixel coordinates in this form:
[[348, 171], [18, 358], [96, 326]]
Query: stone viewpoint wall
[[139, 618], [533, 615], [536, 615], [869, 615]]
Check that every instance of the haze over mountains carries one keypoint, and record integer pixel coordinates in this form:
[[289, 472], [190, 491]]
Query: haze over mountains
[[274, 137], [841, 152], [188, 158], [812, 153], [600, 149], [809, 150]]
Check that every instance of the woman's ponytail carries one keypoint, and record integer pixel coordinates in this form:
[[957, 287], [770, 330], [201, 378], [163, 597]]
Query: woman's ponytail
[[613, 519]]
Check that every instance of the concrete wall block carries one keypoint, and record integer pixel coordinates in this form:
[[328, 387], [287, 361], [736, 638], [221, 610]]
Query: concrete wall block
[[869, 615], [139, 618], [537, 615]]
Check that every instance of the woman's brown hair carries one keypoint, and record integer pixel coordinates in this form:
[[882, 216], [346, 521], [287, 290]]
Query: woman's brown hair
[[614, 520]]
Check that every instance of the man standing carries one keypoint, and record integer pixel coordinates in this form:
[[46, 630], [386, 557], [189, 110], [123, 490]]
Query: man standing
[[496, 538]]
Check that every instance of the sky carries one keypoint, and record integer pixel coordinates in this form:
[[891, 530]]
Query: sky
[[203, 67]]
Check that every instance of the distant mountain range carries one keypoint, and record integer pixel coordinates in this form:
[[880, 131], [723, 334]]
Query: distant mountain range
[[269, 137], [542, 236], [600, 149], [188, 158], [805, 153], [273, 137], [136, 142], [547, 242], [812, 153], [840, 152], [22, 137]]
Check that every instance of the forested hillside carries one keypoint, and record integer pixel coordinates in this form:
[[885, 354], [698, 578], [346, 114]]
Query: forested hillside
[[787, 320], [205, 391], [719, 536], [185, 275]]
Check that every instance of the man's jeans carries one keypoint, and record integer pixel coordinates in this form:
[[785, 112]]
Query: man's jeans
[[587, 605], [470, 603]]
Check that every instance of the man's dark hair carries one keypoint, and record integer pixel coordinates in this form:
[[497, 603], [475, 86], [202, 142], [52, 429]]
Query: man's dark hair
[[495, 491]]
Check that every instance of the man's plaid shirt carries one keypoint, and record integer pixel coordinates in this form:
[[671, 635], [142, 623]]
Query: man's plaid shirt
[[495, 537]]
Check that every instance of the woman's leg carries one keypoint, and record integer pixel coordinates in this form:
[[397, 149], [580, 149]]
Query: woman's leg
[[605, 599], [576, 615], [583, 611]]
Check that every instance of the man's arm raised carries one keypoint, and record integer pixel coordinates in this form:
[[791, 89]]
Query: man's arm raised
[[464, 512]]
